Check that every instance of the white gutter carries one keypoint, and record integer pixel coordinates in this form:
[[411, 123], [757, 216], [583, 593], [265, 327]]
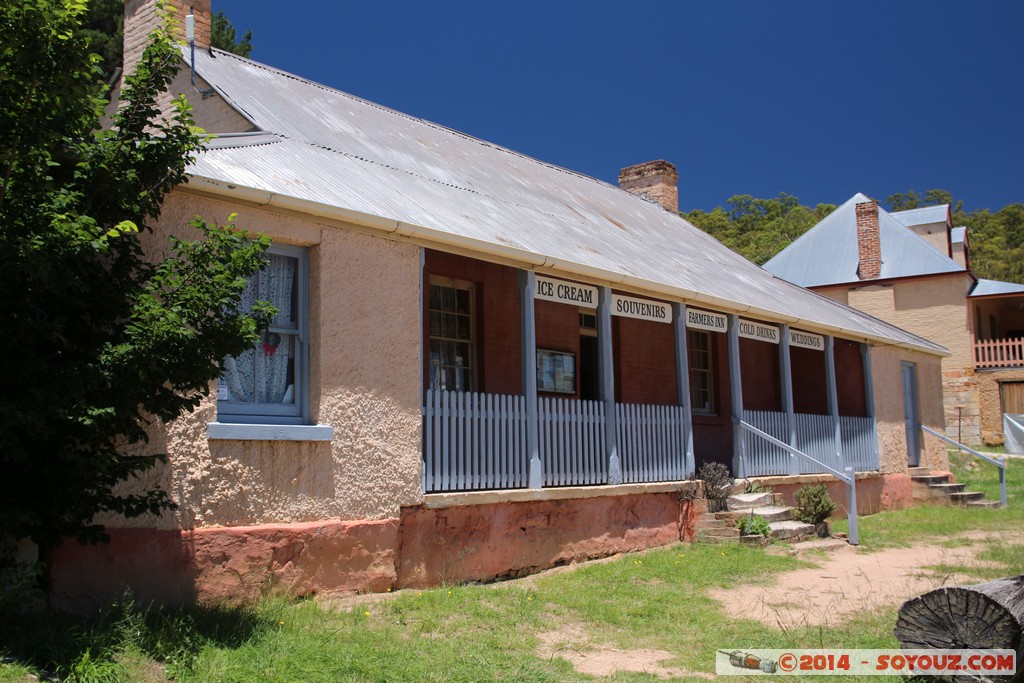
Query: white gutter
[[520, 257]]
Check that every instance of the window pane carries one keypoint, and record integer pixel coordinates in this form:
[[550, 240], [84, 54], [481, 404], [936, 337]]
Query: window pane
[[263, 374], [462, 331], [277, 285], [462, 297]]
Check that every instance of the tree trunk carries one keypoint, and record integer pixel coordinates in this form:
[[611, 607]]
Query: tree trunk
[[986, 616]]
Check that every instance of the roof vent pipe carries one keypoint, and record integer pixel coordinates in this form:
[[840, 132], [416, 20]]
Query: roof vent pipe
[[190, 38]]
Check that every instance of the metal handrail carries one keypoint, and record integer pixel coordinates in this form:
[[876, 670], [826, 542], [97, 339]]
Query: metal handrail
[[848, 477], [1000, 463]]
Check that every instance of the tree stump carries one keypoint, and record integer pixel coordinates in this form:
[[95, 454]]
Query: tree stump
[[986, 616]]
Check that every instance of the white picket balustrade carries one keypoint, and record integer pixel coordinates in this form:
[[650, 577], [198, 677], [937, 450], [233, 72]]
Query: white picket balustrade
[[651, 442], [474, 441], [815, 436], [572, 442]]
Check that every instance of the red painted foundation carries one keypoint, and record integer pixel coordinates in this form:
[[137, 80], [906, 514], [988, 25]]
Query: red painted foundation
[[874, 494], [226, 564], [427, 546]]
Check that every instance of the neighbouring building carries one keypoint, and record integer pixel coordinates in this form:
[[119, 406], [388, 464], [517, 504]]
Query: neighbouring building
[[482, 364], [912, 268]]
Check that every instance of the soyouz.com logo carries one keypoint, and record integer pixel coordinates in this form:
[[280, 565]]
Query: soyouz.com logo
[[756, 662]]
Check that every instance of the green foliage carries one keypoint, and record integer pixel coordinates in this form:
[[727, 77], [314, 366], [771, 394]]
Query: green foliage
[[813, 504], [104, 28], [759, 228], [717, 480], [754, 525], [222, 35], [99, 343], [996, 238]]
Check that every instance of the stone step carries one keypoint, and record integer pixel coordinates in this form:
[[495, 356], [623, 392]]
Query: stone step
[[747, 501], [930, 479], [918, 471], [983, 503], [723, 532], [966, 496], [946, 489], [714, 524], [772, 513], [791, 529]]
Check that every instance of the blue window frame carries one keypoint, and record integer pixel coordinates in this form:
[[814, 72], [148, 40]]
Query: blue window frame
[[268, 384]]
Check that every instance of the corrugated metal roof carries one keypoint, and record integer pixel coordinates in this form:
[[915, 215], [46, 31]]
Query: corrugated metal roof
[[827, 253], [957, 234], [995, 288], [337, 150], [922, 215]]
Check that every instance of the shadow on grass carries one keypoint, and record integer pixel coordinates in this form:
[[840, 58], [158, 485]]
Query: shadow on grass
[[70, 647]]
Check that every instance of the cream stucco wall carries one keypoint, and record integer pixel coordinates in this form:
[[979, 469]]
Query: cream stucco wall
[[937, 309], [365, 339], [889, 410]]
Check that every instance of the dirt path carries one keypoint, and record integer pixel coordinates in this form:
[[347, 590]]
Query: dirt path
[[848, 582]]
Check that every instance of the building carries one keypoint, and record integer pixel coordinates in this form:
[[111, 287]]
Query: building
[[483, 364], [912, 268]]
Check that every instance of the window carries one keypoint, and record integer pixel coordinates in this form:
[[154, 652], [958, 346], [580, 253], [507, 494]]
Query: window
[[267, 383], [701, 385], [452, 353]]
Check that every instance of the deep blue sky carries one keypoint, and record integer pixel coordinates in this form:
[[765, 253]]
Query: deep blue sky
[[815, 98]]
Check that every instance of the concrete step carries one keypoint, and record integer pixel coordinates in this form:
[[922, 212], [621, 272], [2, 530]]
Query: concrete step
[[918, 471], [966, 496], [772, 513], [827, 545], [930, 479], [983, 503], [946, 489], [747, 501], [791, 529]]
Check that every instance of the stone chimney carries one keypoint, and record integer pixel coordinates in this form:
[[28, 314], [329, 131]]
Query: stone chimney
[[656, 180], [869, 245], [140, 18]]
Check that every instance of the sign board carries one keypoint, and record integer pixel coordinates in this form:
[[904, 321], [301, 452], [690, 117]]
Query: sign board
[[704, 320], [758, 331], [806, 340], [642, 309], [565, 292]]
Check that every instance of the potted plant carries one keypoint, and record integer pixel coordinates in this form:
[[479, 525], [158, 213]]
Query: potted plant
[[815, 506], [717, 485]]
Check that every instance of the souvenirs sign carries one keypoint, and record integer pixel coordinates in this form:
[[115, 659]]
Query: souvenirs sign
[[806, 340], [765, 333], [642, 309]]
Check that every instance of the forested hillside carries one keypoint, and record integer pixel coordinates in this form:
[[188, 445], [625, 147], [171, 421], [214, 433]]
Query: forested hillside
[[761, 228]]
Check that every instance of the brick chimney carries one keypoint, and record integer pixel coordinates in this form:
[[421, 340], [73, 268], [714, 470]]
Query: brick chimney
[[140, 18], [869, 245], [656, 180]]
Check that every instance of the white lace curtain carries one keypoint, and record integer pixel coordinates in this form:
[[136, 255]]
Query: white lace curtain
[[265, 373]]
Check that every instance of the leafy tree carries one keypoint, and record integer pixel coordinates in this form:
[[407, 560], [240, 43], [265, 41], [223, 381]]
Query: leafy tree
[[759, 228], [104, 27], [99, 343], [222, 35]]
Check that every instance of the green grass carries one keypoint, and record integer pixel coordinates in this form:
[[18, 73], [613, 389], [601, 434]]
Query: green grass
[[657, 600], [916, 525]]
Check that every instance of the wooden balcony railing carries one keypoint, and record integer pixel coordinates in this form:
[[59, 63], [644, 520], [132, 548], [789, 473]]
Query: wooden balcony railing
[[998, 353]]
